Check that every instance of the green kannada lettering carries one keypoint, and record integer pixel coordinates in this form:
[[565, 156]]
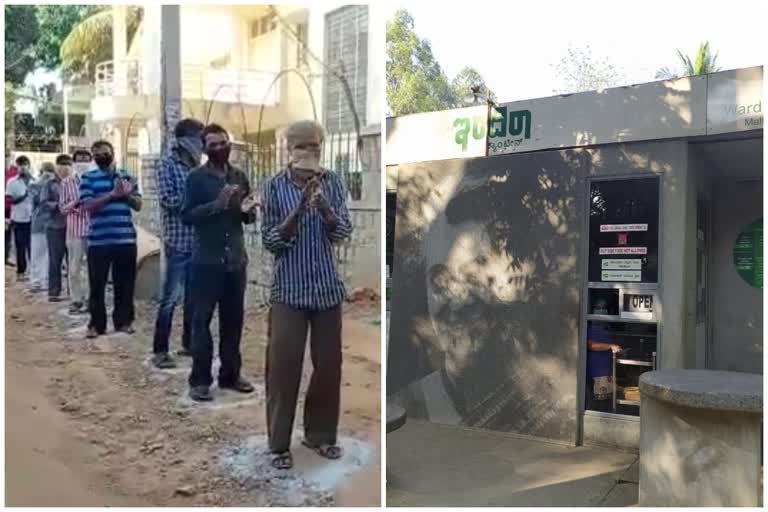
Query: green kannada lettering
[[501, 124], [478, 130], [463, 132], [504, 124]]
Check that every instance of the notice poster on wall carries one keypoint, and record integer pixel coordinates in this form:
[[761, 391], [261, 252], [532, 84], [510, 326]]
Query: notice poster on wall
[[617, 228], [748, 254], [616, 264], [632, 276], [624, 230], [623, 250]]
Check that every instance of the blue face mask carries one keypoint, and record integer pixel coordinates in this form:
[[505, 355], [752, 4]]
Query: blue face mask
[[193, 146]]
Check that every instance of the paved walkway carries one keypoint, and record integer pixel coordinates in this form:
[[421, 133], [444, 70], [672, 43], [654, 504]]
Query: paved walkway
[[436, 465]]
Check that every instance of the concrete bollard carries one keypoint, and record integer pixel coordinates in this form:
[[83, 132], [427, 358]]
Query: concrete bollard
[[148, 278], [700, 439]]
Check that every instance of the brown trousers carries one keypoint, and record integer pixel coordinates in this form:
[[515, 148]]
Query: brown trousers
[[287, 333]]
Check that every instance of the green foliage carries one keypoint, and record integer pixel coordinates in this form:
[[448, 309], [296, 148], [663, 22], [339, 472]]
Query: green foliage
[[703, 63], [463, 83], [90, 43], [21, 33], [415, 80], [56, 22], [10, 99]]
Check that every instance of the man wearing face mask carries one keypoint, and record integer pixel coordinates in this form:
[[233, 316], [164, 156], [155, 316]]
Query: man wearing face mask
[[77, 232], [109, 195], [217, 202], [305, 213], [41, 215], [178, 239], [21, 214], [10, 172], [56, 230]]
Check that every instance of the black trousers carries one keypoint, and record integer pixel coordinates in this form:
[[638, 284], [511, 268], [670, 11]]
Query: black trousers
[[8, 235], [22, 237], [224, 286], [122, 261], [57, 248]]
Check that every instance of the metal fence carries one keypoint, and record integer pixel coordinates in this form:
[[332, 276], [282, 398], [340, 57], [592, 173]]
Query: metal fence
[[340, 153]]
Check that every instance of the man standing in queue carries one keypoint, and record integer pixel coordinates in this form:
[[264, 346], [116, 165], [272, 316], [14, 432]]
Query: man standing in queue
[[56, 230], [217, 203], [77, 233], [178, 238], [18, 189], [305, 213], [109, 195]]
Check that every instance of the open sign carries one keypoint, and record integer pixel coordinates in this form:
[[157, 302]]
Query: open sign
[[636, 303]]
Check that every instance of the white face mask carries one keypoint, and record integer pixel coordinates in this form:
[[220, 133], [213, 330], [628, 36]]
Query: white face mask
[[81, 167], [305, 159]]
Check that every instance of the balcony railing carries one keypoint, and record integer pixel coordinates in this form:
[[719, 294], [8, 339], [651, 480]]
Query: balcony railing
[[247, 86], [121, 78]]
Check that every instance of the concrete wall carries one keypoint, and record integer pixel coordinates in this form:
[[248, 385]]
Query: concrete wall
[[488, 274], [737, 343]]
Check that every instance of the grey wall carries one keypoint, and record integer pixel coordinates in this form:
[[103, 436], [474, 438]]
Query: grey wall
[[737, 343], [488, 273]]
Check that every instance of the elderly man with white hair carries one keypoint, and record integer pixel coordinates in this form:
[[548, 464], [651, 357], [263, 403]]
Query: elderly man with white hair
[[305, 214]]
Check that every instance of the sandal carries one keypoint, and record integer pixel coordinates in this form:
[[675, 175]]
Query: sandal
[[282, 460], [329, 451]]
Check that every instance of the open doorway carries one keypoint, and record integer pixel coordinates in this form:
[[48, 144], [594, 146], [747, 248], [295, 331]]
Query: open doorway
[[729, 254]]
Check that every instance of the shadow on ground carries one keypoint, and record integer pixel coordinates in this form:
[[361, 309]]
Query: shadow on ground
[[435, 465]]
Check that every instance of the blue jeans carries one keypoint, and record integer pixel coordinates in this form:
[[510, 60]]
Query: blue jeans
[[176, 284]]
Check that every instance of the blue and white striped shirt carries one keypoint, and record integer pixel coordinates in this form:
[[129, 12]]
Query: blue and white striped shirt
[[306, 274], [112, 224]]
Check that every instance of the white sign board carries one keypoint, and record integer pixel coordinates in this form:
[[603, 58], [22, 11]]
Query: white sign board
[[621, 228], [614, 264], [623, 250], [735, 101], [655, 110], [458, 133], [621, 275]]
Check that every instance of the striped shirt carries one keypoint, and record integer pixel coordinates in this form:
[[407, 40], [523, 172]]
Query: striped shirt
[[306, 274], [112, 224], [77, 218]]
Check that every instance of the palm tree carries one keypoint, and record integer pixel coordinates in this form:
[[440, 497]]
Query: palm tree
[[703, 64], [90, 42]]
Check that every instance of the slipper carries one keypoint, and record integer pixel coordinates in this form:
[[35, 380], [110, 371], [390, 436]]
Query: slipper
[[329, 451], [282, 460]]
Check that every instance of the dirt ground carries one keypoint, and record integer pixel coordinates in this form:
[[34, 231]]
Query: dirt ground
[[92, 423]]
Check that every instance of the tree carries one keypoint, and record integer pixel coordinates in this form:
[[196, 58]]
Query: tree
[[90, 43], [415, 80], [10, 99], [580, 71], [702, 64], [463, 83], [21, 33], [56, 23]]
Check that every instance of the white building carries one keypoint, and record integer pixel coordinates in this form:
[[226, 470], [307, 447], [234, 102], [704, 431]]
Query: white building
[[245, 68]]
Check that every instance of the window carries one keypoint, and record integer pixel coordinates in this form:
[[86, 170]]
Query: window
[[301, 45], [346, 50], [624, 231], [263, 26]]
